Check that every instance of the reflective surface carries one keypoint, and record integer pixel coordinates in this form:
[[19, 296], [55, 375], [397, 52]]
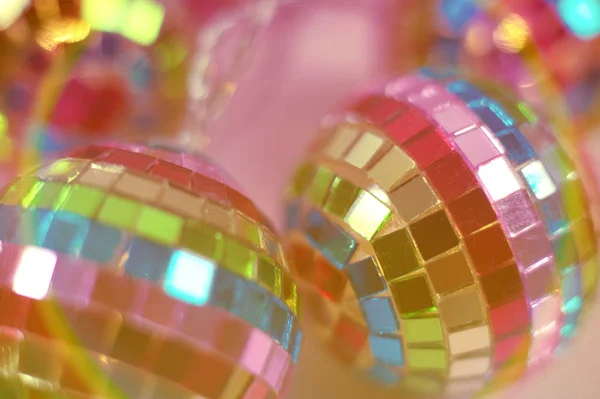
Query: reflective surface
[[454, 248], [139, 271]]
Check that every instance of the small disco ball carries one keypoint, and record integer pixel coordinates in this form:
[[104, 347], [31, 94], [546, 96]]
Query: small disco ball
[[136, 271], [74, 71], [442, 236]]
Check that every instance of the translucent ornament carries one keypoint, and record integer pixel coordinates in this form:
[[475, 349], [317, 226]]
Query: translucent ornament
[[441, 235], [79, 70], [141, 272]]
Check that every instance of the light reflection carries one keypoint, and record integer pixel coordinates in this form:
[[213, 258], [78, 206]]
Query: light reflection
[[11, 11], [34, 272], [139, 20], [539, 180], [189, 278], [512, 34], [60, 31], [497, 177], [581, 16], [477, 40]]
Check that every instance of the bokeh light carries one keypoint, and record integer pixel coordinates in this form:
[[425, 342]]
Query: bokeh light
[[11, 10], [581, 16], [512, 34]]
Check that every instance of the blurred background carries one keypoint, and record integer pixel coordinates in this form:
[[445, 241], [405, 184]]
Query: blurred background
[[309, 59]]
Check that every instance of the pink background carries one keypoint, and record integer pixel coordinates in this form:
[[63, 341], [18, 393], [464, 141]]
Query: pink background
[[308, 62]]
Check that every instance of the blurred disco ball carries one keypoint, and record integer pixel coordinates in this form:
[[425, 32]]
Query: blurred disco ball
[[132, 271], [76, 70], [442, 236], [548, 50]]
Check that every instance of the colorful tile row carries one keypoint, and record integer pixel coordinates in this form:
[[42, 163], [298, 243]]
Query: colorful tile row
[[69, 229], [189, 280], [157, 262], [99, 329], [92, 182], [557, 192], [47, 365], [380, 312], [190, 174], [381, 318], [536, 176], [474, 250], [512, 204], [552, 182]]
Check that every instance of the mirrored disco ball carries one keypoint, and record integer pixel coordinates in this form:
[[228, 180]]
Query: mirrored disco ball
[[77, 70], [139, 272], [442, 235]]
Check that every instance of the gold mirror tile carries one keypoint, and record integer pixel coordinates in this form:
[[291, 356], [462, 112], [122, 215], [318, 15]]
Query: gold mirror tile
[[342, 195], [180, 201], [412, 295], [100, 175], [449, 273], [394, 223], [434, 235], [139, 187], [396, 254], [340, 142], [218, 216], [461, 308], [413, 198], [363, 150], [393, 167]]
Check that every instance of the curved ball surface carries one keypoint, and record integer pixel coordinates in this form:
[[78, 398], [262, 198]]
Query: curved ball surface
[[443, 236], [142, 271]]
